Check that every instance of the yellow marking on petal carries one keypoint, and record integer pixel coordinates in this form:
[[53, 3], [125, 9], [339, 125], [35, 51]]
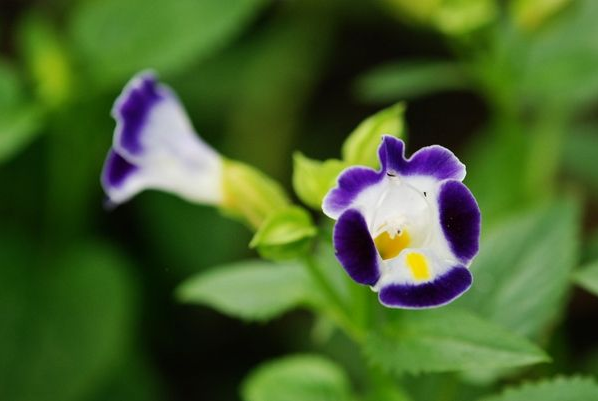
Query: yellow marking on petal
[[418, 265], [390, 247]]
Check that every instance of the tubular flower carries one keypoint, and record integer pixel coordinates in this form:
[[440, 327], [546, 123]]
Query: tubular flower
[[409, 230], [156, 147]]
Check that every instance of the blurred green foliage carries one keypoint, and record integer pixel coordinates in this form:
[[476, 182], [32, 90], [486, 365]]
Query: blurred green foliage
[[86, 304], [319, 379]]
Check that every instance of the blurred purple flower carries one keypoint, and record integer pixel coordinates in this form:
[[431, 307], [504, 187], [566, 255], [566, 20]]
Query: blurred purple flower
[[155, 146]]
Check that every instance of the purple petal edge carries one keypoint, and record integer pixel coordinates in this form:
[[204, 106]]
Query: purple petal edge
[[441, 291], [132, 109], [355, 248], [116, 170], [435, 161], [350, 183], [460, 219]]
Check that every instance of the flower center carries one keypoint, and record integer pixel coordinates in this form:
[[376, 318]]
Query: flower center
[[390, 244], [401, 219]]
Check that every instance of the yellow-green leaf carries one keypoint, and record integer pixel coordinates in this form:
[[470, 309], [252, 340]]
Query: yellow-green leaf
[[361, 146]]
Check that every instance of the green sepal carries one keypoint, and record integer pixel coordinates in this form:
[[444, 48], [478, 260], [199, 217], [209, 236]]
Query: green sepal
[[361, 145], [285, 234], [312, 179], [249, 194]]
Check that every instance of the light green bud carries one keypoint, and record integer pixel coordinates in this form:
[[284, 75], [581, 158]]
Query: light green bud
[[312, 179], [285, 234], [360, 148], [249, 194]]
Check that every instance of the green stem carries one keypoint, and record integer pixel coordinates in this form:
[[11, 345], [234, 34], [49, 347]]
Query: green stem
[[384, 385], [340, 312], [360, 306], [546, 139], [449, 386]]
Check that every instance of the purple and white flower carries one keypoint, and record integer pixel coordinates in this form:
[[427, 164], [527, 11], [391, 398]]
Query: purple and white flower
[[155, 146], [410, 229]]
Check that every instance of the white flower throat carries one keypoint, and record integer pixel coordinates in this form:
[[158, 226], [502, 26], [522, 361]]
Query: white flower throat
[[401, 218]]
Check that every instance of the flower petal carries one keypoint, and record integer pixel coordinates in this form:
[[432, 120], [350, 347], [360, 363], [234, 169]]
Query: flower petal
[[119, 178], [440, 291], [433, 161], [152, 123], [156, 147], [355, 248], [132, 111], [460, 219], [392, 154], [350, 184]]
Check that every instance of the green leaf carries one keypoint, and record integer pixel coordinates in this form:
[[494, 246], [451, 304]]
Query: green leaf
[[63, 325], [19, 121], [502, 148], [447, 340], [286, 234], [297, 378], [383, 387], [523, 271], [361, 145], [11, 90], [120, 37], [435, 386], [579, 155], [410, 79], [559, 389], [312, 179], [590, 246], [587, 277], [387, 394], [250, 290], [561, 60], [19, 126]]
